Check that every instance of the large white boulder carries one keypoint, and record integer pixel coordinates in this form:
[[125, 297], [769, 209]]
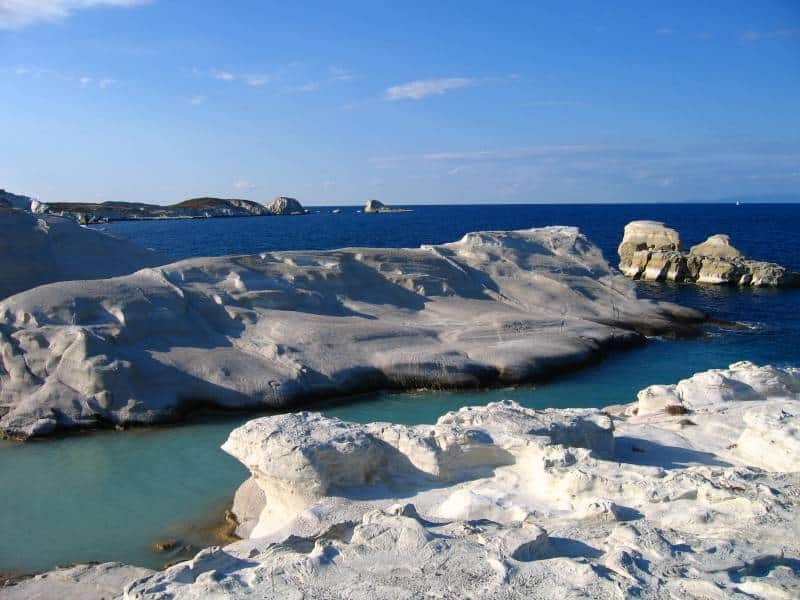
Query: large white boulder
[[40, 249], [273, 329]]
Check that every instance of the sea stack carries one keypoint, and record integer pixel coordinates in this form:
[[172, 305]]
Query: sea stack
[[283, 205], [651, 251], [376, 206]]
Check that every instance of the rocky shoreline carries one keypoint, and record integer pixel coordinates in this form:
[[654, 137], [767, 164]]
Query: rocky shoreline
[[276, 329], [691, 491]]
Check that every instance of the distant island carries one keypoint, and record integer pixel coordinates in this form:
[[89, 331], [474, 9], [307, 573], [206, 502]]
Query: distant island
[[376, 206], [194, 208]]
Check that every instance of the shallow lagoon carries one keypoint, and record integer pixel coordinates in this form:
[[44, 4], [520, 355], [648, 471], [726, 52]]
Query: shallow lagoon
[[107, 496]]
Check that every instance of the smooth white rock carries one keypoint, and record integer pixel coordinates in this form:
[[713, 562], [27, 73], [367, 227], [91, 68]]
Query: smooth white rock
[[272, 329], [655, 506], [40, 249]]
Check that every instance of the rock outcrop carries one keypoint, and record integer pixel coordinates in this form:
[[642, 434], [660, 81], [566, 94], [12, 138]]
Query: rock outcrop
[[35, 250], [653, 252], [501, 501], [284, 206], [376, 206], [194, 208], [273, 329]]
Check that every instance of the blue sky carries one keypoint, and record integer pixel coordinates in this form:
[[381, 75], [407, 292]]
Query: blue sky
[[435, 102]]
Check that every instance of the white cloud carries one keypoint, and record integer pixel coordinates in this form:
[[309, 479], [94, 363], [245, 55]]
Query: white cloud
[[197, 100], [222, 75], [422, 88], [85, 80], [106, 82], [256, 80], [19, 13], [664, 31]]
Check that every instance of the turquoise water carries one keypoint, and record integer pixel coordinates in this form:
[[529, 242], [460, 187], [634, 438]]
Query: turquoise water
[[108, 495]]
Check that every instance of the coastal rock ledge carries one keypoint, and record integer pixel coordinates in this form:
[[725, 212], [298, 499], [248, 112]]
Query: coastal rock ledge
[[651, 251], [689, 492], [276, 329]]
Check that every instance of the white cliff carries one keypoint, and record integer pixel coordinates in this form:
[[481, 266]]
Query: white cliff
[[40, 249], [273, 329], [652, 251], [502, 501]]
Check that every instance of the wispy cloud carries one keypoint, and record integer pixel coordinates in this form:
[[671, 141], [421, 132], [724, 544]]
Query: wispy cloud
[[20, 13], [40, 72], [664, 31], [340, 74], [422, 88], [256, 80], [756, 36], [197, 100], [222, 75]]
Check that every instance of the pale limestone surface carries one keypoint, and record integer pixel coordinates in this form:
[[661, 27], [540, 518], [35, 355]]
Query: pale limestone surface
[[718, 245], [40, 249], [82, 582], [274, 329], [501, 501], [651, 251]]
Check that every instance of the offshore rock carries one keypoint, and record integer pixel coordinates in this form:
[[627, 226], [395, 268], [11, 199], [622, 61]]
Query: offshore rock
[[652, 252], [282, 206]]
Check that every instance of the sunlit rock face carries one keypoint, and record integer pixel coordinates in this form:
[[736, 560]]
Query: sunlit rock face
[[501, 501], [273, 329], [40, 249], [652, 251], [282, 205]]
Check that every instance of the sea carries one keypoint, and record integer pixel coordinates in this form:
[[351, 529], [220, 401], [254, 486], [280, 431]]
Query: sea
[[107, 496]]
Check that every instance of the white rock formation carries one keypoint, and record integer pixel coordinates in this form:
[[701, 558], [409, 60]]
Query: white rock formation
[[82, 582], [35, 250], [272, 329], [501, 501], [282, 206], [653, 252], [717, 246], [376, 206]]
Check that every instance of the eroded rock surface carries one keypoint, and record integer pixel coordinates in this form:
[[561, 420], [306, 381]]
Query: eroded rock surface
[[40, 249], [282, 206], [277, 328], [502, 501], [652, 251]]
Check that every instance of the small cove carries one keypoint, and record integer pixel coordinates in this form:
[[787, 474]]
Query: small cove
[[108, 495]]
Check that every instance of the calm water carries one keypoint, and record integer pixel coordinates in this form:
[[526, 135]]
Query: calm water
[[107, 496]]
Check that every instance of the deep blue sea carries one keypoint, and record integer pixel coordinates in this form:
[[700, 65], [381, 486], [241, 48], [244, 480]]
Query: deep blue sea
[[106, 495]]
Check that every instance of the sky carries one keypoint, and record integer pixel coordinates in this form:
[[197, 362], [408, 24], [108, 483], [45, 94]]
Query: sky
[[408, 102]]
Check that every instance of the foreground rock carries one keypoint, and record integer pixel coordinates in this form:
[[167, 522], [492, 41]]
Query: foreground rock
[[376, 206], [83, 582], [653, 252], [501, 501], [35, 250], [271, 330]]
